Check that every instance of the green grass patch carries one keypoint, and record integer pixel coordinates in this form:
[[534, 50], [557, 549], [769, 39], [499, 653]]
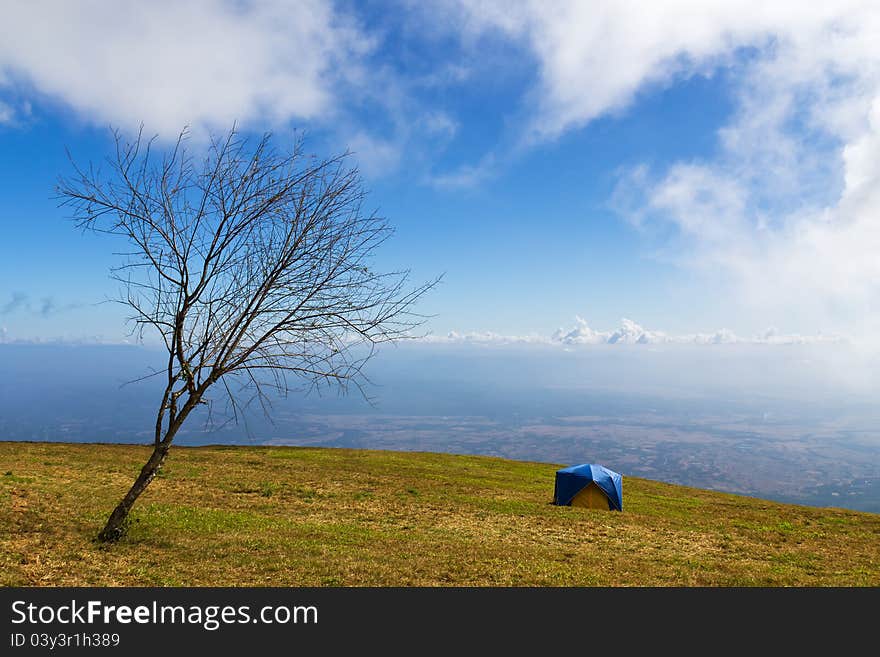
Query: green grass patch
[[298, 516]]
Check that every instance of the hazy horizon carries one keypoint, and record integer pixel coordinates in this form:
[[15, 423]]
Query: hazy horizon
[[770, 431]]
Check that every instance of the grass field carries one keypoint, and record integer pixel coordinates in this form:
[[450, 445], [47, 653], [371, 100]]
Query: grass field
[[225, 516]]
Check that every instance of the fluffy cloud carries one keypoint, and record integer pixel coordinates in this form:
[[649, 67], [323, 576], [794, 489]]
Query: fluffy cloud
[[580, 334], [594, 58], [786, 219], [203, 62], [788, 214], [629, 333]]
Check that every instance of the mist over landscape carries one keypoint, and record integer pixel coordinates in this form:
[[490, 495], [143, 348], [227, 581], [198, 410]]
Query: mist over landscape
[[792, 423]]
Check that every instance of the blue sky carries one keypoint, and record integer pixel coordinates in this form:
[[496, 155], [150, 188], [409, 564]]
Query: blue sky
[[705, 170]]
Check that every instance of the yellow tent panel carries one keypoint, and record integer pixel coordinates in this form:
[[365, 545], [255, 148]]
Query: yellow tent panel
[[591, 497]]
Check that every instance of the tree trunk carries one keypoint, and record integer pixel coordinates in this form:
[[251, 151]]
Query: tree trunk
[[116, 527], [116, 523]]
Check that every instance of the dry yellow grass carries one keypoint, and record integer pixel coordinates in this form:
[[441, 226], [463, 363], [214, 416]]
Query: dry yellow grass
[[234, 516]]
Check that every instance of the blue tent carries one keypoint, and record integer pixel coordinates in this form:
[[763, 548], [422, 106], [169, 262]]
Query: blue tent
[[574, 481]]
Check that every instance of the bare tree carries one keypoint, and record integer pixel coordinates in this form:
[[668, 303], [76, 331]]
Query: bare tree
[[252, 265]]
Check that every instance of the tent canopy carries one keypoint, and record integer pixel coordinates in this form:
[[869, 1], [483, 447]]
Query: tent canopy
[[570, 481]]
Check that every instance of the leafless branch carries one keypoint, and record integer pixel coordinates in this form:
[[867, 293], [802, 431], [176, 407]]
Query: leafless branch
[[250, 264]]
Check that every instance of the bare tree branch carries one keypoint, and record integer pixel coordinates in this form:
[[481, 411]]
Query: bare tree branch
[[252, 265]]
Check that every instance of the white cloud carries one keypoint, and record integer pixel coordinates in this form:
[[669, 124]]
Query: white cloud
[[630, 333], [785, 221], [788, 215], [580, 334], [595, 57], [168, 63]]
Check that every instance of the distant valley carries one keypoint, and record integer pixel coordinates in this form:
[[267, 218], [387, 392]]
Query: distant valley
[[814, 454]]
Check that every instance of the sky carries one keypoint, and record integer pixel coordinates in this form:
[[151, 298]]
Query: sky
[[688, 171]]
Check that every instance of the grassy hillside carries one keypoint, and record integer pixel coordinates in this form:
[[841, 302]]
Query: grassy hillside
[[296, 517]]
